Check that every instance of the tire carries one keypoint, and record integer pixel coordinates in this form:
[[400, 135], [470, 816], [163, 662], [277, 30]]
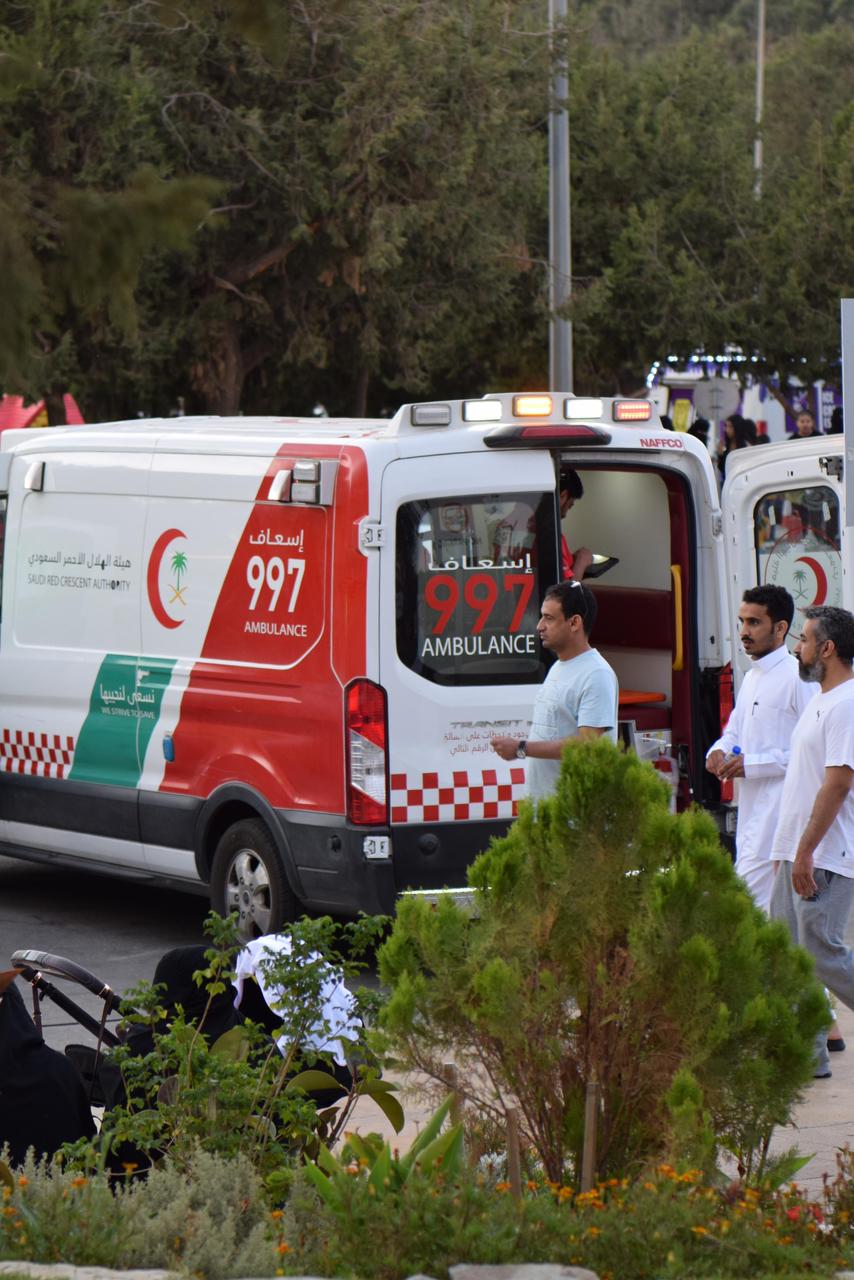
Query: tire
[[247, 876]]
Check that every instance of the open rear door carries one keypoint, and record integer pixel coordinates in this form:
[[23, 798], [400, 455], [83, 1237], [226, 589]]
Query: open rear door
[[783, 524]]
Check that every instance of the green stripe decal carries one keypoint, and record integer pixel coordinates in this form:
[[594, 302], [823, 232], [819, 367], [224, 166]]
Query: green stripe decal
[[124, 708]]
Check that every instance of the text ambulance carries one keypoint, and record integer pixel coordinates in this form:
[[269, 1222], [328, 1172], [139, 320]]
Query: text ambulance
[[268, 655]]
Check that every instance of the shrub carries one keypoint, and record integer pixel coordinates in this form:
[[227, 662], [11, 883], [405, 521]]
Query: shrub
[[669, 1224], [611, 943], [212, 1219], [242, 1094]]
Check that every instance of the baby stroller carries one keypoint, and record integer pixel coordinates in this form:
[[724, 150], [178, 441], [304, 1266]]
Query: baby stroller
[[98, 1077], [102, 1079]]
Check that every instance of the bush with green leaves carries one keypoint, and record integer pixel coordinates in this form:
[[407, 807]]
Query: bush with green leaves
[[243, 1093], [670, 1224], [610, 942]]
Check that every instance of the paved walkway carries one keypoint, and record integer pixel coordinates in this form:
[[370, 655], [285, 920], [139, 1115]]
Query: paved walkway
[[824, 1121]]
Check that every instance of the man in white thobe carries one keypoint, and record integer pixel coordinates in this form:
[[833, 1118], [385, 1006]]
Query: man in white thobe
[[769, 705]]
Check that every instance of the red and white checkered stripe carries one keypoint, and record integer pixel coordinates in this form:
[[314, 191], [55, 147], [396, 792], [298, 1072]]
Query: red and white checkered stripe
[[460, 797], [48, 755]]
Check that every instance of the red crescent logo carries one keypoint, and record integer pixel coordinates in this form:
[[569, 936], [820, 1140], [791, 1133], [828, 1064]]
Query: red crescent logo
[[153, 578], [820, 578]]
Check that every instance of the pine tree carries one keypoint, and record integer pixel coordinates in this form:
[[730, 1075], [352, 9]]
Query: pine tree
[[611, 943]]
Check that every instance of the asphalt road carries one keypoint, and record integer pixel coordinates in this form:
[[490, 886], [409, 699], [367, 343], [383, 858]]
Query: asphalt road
[[117, 929]]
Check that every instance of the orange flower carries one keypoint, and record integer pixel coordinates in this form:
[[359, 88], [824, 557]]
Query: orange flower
[[282, 1247]]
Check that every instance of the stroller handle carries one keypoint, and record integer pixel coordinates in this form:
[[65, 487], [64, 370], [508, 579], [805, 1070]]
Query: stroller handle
[[33, 965]]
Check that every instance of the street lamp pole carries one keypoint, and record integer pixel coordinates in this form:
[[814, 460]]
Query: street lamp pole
[[560, 249], [760, 97]]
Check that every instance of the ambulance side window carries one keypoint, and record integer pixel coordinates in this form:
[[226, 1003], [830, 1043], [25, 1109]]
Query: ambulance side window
[[471, 572], [796, 535]]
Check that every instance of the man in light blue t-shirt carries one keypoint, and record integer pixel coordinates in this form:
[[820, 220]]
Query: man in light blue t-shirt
[[577, 699]]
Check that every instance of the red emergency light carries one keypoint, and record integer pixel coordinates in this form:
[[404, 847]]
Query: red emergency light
[[546, 434], [632, 410]]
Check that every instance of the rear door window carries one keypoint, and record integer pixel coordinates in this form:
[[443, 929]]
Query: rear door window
[[797, 540], [471, 573]]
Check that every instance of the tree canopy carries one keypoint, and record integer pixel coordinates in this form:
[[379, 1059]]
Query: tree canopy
[[259, 206]]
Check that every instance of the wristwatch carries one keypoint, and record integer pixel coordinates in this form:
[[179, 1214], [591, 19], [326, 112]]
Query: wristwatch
[[522, 749]]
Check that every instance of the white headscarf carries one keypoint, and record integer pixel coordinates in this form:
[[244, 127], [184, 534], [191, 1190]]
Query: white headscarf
[[338, 1020]]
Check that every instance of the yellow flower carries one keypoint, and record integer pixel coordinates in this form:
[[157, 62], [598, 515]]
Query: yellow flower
[[593, 1231], [699, 1231]]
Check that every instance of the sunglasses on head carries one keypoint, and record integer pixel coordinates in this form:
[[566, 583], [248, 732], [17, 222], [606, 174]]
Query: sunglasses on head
[[580, 603]]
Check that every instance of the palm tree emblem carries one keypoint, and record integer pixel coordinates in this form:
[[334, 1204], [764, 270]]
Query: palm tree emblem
[[799, 577], [179, 568]]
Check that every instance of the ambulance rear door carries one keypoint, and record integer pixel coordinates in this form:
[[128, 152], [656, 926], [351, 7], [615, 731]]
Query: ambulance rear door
[[471, 548], [782, 513]]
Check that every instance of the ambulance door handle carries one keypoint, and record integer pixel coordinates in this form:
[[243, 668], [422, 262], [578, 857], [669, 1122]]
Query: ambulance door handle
[[678, 648]]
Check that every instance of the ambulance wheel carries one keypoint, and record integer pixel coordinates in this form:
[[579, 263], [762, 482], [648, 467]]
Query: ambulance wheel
[[247, 876]]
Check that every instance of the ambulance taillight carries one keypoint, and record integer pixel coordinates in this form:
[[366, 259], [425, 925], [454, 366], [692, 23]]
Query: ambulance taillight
[[367, 759]]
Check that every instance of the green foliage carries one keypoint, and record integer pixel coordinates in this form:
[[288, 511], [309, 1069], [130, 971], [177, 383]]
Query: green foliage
[[438, 1154], [669, 1224], [210, 1219], [215, 1219], [258, 205], [243, 1094], [611, 942]]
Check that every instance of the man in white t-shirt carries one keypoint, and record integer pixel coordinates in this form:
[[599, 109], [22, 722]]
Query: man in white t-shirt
[[814, 841], [577, 699]]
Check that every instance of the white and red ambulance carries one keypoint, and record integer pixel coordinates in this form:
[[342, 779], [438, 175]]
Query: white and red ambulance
[[267, 655]]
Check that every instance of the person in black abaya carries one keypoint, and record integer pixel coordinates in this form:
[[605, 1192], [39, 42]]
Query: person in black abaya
[[214, 1015], [42, 1100]]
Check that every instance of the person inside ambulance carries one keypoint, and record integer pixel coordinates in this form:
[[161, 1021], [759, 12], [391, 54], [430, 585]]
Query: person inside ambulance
[[573, 564]]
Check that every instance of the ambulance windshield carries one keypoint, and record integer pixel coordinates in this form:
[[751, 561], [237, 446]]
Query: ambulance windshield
[[471, 572]]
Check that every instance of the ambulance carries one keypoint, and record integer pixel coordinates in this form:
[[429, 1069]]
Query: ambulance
[[263, 658]]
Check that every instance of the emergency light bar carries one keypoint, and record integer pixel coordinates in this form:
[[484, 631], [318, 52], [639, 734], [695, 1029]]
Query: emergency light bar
[[527, 405]]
